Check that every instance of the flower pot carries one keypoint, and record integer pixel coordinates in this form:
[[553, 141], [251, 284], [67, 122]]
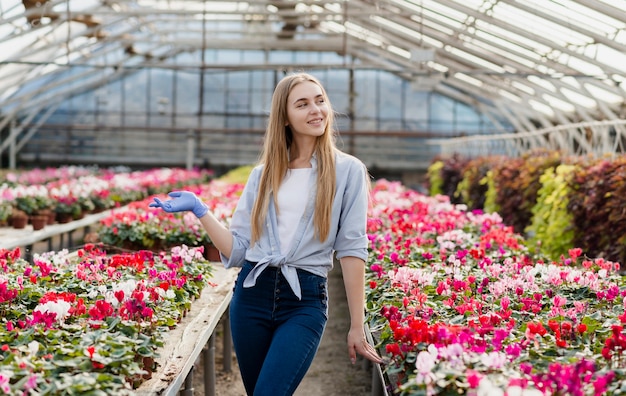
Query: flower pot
[[64, 217], [19, 222], [52, 217], [38, 221], [149, 366], [211, 253]]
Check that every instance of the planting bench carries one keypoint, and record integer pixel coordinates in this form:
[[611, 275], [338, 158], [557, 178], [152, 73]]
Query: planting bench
[[193, 336]]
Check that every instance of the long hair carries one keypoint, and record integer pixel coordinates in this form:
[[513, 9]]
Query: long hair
[[275, 158]]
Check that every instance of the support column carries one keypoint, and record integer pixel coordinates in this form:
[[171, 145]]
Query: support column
[[12, 146], [228, 344], [209, 367], [191, 149]]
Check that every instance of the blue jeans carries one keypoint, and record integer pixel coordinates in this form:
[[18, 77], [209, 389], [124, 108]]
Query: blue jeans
[[275, 335]]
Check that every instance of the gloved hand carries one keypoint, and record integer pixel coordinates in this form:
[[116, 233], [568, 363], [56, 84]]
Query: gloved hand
[[182, 201]]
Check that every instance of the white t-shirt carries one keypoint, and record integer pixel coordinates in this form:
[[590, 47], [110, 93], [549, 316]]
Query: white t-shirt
[[292, 200]]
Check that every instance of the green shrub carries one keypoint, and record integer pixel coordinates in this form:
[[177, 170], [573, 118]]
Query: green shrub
[[491, 195], [552, 226], [435, 181]]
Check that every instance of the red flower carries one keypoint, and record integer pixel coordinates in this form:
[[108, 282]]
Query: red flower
[[80, 308], [100, 310], [393, 349], [554, 325], [575, 253], [119, 295], [536, 328], [91, 351]]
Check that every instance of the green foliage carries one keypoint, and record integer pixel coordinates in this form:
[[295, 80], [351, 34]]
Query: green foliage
[[435, 182], [237, 175], [551, 228], [491, 202], [151, 233], [452, 174], [87, 350], [27, 204], [449, 290], [5, 210], [517, 182], [473, 187], [597, 203]]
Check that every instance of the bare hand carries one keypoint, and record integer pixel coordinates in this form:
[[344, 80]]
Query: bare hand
[[358, 344]]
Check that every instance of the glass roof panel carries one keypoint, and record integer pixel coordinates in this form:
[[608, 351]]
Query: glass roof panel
[[573, 14], [477, 49]]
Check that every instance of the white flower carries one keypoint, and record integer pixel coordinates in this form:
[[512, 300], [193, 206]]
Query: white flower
[[487, 388], [453, 353], [128, 287], [60, 308], [33, 347], [495, 360], [168, 295], [98, 291], [518, 391]]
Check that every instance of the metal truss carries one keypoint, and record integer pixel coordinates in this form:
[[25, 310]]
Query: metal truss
[[596, 139], [532, 63]]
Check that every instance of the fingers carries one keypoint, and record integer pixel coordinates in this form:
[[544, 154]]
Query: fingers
[[156, 204], [165, 205], [352, 354], [364, 349], [175, 194]]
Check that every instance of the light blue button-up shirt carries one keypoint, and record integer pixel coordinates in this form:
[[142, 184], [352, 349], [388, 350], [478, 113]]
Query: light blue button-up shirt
[[347, 235]]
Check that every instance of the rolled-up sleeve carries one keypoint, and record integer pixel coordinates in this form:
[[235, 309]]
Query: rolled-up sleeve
[[351, 237], [240, 222]]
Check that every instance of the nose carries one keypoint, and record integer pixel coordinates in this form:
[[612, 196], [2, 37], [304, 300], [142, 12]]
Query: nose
[[315, 108]]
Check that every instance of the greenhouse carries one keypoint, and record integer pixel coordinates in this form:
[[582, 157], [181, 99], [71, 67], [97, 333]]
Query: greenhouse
[[492, 139]]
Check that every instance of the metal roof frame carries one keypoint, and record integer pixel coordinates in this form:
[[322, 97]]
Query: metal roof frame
[[468, 50]]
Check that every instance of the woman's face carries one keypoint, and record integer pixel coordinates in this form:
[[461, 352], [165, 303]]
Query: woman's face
[[307, 110]]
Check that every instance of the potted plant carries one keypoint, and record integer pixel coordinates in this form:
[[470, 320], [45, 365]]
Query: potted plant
[[18, 219], [26, 203], [67, 208], [5, 213]]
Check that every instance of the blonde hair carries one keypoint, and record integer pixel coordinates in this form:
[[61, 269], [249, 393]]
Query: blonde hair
[[275, 158]]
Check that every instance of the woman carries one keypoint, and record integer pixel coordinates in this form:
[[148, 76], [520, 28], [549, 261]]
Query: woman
[[304, 202]]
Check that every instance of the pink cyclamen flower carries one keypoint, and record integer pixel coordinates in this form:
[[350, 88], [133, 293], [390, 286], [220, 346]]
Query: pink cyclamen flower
[[4, 383], [425, 363], [473, 379]]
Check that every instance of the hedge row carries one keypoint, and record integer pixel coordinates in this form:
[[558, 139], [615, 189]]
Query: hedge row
[[558, 201]]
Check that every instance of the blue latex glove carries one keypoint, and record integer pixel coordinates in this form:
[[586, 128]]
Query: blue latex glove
[[181, 202]]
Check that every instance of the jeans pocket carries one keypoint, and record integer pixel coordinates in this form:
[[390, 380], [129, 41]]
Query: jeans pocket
[[245, 270], [323, 297]]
